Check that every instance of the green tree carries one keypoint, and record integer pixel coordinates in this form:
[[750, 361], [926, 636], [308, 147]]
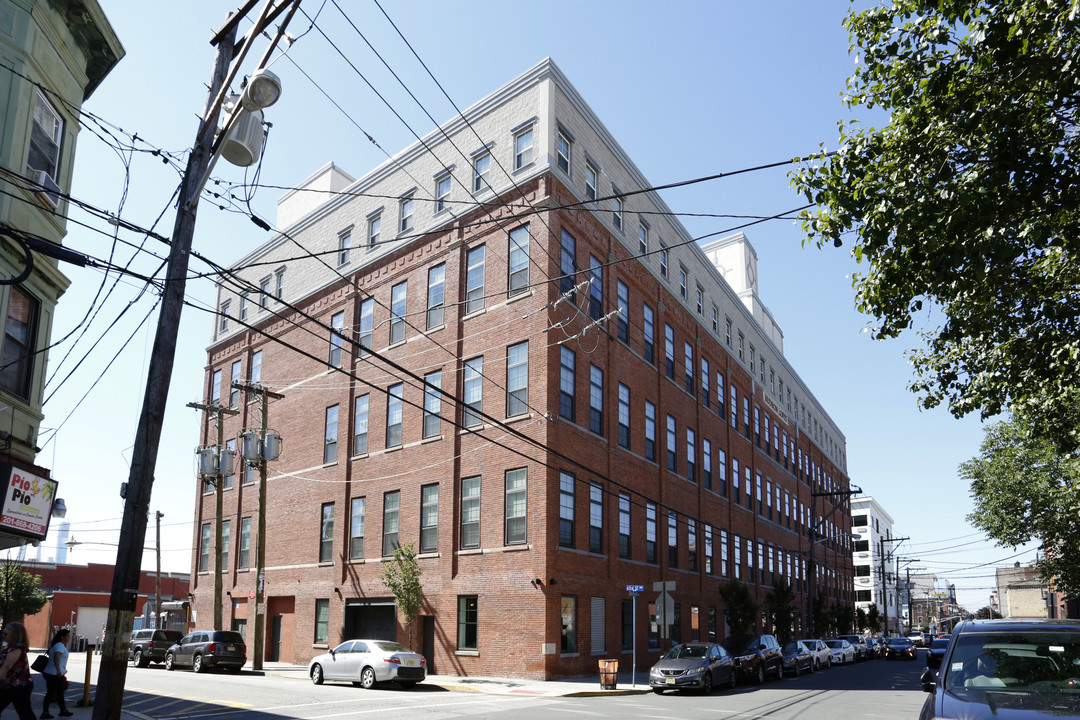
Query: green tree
[[965, 205], [861, 622], [873, 617], [822, 618], [20, 592], [401, 575], [780, 604], [843, 617], [739, 607], [1024, 489]]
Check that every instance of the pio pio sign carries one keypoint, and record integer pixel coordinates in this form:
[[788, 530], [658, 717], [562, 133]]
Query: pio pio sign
[[28, 502]]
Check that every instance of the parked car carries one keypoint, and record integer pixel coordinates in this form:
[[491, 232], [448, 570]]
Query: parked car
[[206, 649], [927, 638], [999, 669], [797, 657], [842, 652], [900, 648], [149, 646], [820, 651], [696, 665], [936, 652], [916, 638], [877, 646], [755, 656], [858, 643], [366, 662]]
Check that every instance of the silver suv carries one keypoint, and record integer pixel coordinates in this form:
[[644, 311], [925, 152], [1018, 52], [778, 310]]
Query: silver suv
[[149, 646]]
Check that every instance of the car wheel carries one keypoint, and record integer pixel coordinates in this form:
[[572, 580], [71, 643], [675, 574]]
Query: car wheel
[[706, 683], [813, 665], [197, 664], [796, 668], [733, 679], [760, 674], [169, 660], [367, 678], [316, 674], [828, 665], [140, 660], [780, 670]]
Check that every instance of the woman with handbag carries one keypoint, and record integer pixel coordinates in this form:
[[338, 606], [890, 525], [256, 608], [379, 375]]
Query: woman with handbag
[[56, 673], [15, 681]]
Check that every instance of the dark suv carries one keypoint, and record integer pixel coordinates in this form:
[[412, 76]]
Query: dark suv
[[755, 656], [205, 649], [149, 646]]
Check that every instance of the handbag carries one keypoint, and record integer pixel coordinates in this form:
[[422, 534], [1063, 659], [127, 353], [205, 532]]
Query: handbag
[[40, 663]]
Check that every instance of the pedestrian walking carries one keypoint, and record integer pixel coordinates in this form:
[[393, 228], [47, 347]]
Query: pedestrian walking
[[15, 681], [56, 674]]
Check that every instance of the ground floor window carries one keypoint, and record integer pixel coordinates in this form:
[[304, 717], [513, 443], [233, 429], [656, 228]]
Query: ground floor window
[[467, 623], [322, 622], [569, 624]]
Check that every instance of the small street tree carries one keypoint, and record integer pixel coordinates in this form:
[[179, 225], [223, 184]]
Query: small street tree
[[780, 604], [822, 618], [843, 617], [873, 617], [20, 592], [402, 576], [739, 606], [861, 623]]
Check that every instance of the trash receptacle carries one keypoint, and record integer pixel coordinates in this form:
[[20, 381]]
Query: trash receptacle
[[609, 674]]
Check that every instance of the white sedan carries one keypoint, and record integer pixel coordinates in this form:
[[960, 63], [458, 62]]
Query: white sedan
[[842, 652], [366, 662]]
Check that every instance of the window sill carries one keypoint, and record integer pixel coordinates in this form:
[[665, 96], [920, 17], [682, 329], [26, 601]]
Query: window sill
[[519, 296], [524, 168], [474, 313], [467, 653]]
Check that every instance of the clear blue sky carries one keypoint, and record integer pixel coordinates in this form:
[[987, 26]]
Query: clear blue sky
[[688, 89]]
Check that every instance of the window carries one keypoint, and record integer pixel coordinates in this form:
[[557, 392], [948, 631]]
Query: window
[[436, 295], [663, 260], [481, 172], [322, 622], [227, 470], [734, 408], [279, 291], [735, 479], [264, 293], [429, 518], [673, 539], [393, 415], [727, 331], [360, 437], [592, 176], [223, 315], [234, 377], [708, 549], [45, 137], [356, 528], [569, 624], [700, 300], [256, 366], [596, 400], [367, 324], [562, 151], [669, 351], [374, 227], [398, 296], [406, 223], [215, 383], [442, 191], [650, 431], [691, 455], [474, 405], [391, 516], [467, 626], [243, 557], [244, 305], [624, 416], [649, 345], [226, 537], [330, 437], [523, 149], [337, 340], [715, 319], [596, 518], [616, 209], [432, 404], [858, 521], [624, 525], [862, 571], [516, 506], [566, 509], [724, 553], [470, 513], [517, 379], [568, 265], [738, 557], [326, 533], [688, 367], [682, 281], [474, 279], [519, 260], [672, 451], [622, 319], [706, 464], [596, 288], [721, 467], [650, 532], [344, 245], [643, 238], [691, 544], [566, 383]]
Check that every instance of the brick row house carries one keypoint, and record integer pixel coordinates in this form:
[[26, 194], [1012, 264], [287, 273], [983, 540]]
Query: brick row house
[[493, 348]]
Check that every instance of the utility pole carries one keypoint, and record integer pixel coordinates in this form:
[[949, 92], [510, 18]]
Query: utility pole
[[810, 566], [157, 585], [884, 579], [219, 482], [125, 586], [260, 539]]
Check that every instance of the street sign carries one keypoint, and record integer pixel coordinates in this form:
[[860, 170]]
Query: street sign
[[635, 588]]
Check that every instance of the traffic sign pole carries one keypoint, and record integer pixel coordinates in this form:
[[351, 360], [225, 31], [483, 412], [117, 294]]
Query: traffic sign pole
[[634, 591]]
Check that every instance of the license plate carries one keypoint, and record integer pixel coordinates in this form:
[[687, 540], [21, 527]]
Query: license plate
[[669, 681], [410, 661], [230, 648]]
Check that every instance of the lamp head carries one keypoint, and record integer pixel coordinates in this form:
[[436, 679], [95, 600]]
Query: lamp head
[[262, 90]]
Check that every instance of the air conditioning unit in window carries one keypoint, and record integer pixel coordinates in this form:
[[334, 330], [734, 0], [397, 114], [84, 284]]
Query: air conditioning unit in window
[[45, 187]]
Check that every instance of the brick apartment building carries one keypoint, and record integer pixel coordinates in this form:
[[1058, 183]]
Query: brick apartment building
[[495, 347]]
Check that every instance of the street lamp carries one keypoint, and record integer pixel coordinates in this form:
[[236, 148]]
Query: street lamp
[[262, 90]]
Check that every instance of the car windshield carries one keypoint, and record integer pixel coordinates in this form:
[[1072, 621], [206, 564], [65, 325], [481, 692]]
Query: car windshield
[[741, 644], [835, 643], [898, 642], [680, 652], [792, 647], [1018, 660], [390, 646]]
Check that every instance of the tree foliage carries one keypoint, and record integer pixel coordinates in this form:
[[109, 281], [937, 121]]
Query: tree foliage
[[873, 617], [967, 202], [821, 618], [842, 617], [1025, 489], [20, 592], [780, 604], [402, 576], [739, 606]]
